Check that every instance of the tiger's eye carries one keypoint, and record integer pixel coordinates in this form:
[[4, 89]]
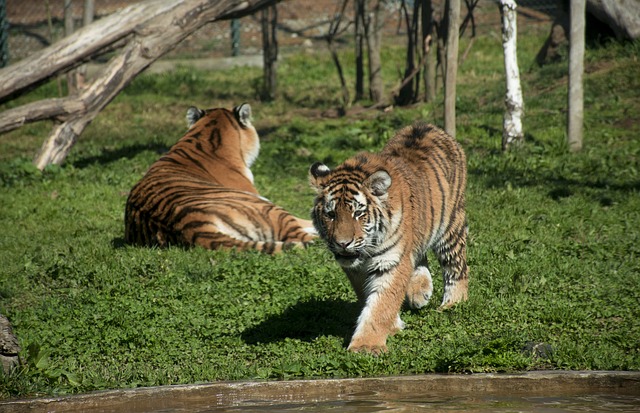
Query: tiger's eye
[[331, 214], [358, 214]]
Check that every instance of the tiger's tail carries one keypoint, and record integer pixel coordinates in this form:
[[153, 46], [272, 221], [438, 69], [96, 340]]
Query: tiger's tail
[[218, 240]]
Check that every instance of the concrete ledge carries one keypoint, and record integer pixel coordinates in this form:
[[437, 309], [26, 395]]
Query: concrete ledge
[[204, 397]]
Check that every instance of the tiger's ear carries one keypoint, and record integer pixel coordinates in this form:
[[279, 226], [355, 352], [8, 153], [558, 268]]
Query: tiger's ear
[[318, 171], [193, 115], [378, 183], [243, 114]]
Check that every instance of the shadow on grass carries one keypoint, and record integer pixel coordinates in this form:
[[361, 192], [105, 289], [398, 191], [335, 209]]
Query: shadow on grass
[[563, 176], [111, 155], [559, 186], [306, 321], [118, 243]]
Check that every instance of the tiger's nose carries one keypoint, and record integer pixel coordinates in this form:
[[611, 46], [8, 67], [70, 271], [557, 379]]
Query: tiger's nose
[[344, 244]]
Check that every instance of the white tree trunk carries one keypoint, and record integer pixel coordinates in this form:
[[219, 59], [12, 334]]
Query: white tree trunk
[[452, 68], [512, 120], [576, 68]]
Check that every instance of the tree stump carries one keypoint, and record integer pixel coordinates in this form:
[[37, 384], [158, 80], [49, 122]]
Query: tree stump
[[9, 347]]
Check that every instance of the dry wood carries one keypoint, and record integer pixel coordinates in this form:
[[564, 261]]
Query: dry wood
[[451, 73], [269, 20], [373, 33], [575, 113], [512, 133], [332, 34], [9, 346], [57, 108], [151, 29]]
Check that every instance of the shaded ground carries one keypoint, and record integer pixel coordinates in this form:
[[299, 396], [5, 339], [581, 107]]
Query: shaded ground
[[302, 23]]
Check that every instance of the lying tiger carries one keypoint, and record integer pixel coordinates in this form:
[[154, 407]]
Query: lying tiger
[[380, 213], [202, 193]]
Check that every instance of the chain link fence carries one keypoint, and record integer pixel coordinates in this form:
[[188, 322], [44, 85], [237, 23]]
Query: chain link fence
[[4, 34], [32, 25]]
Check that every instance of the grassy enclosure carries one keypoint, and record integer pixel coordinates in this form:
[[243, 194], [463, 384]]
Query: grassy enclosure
[[554, 249]]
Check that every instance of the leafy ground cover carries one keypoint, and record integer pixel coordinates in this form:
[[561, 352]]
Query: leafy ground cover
[[554, 237]]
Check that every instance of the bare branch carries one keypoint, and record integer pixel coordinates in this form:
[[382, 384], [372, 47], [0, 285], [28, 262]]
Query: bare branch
[[150, 28], [138, 19], [59, 109]]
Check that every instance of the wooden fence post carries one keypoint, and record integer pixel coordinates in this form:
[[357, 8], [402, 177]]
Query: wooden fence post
[[575, 102], [452, 68]]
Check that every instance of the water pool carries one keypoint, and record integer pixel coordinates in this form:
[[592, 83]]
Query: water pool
[[546, 392]]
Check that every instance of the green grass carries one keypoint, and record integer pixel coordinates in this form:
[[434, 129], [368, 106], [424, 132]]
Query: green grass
[[554, 245]]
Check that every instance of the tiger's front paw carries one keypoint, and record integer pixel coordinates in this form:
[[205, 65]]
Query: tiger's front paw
[[371, 346], [420, 288], [375, 350]]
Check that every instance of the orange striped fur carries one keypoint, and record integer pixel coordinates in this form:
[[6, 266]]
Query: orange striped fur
[[202, 193], [379, 215]]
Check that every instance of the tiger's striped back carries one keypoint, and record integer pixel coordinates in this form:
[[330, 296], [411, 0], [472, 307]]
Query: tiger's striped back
[[379, 213], [202, 193]]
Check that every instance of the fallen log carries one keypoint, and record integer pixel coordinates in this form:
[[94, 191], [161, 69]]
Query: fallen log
[[149, 29]]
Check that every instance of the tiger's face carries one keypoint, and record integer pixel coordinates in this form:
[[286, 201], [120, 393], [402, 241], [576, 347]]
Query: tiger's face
[[349, 211]]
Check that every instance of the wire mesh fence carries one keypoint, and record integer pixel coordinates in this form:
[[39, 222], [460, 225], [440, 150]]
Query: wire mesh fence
[[4, 34], [35, 24]]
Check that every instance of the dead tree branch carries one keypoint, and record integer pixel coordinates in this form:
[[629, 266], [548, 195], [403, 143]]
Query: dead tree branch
[[151, 29]]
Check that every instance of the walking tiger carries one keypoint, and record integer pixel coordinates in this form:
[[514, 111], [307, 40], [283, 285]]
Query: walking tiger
[[202, 193], [380, 213]]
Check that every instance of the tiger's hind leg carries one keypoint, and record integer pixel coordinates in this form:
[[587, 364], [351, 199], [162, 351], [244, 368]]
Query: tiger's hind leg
[[307, 226], [292, 228], [452, 254], [420, 286]]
